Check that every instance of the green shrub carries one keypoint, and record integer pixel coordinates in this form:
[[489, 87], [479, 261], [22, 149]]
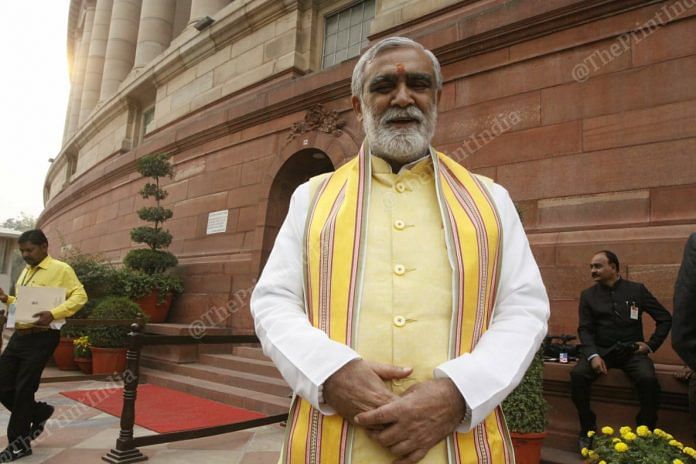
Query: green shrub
[[97, 275], [525, 408], [94, 271], [137, 284], [113, 307]]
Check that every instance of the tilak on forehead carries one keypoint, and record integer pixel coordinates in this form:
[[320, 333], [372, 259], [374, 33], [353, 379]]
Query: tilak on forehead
[[400, 69]]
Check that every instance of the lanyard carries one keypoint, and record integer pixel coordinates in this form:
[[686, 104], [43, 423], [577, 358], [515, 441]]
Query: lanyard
[[29, 277]]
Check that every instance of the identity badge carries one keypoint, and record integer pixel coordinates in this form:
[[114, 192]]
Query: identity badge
[[634, 312]]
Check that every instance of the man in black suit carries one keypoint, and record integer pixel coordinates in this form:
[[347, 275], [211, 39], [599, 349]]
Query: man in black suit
[[684, 333], [611, 334]]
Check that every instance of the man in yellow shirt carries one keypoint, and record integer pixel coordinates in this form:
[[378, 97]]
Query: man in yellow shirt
[[30, 347]]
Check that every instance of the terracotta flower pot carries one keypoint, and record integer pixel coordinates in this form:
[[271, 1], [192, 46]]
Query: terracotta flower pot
[[63, 355], [527, 447], [155, 312], [85, 365], [108, 360]]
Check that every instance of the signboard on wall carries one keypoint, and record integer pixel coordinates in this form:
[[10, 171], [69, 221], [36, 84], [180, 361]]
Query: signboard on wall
[[217, 222]]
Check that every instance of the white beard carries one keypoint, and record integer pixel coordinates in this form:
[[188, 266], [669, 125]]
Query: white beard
[[400, 145]]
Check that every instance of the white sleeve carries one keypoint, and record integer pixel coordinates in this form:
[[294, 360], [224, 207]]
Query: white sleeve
[[304, 355], [496, 365]]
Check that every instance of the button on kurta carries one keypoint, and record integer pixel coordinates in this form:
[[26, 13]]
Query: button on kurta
[[399, 269], [399, 321], [401, 188], [399, 224]]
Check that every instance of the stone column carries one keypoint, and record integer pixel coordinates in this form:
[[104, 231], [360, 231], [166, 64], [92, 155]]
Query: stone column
[[202, 8], [79, 70], [73, 78], [95, 59], [155, 31], [120, 48]]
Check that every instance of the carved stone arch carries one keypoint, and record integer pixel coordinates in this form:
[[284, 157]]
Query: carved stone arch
[[304, 156]]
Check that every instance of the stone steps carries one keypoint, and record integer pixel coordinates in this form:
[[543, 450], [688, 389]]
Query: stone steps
[[235, 378], [241, 397], [236, 362], [245, 378]]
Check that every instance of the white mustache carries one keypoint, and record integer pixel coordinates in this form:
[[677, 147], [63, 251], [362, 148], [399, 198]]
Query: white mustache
[[394, 114]]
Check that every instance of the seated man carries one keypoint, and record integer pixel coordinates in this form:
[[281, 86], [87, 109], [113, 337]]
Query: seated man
[[611, 333]]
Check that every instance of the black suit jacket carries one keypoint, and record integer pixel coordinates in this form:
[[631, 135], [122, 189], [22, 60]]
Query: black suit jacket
[[605, 317], [684, 330]]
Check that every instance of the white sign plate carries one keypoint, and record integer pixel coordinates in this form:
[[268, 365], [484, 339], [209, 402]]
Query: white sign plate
[[217, 222]]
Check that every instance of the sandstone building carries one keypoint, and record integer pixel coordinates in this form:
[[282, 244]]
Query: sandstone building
[[585, 110]]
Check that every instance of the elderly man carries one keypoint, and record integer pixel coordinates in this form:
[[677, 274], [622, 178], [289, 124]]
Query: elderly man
[[684, 331], [31, 345], [401, 300], [611, 333]]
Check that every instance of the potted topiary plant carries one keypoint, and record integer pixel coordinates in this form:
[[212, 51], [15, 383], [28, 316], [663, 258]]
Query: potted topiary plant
[[108, 343], [155, 260], [83, 355], [138, 286], [525, 413]]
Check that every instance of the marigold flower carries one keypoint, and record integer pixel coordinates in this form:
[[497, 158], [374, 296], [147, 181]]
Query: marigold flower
[[630, 436], [659, 432], [590, 433], [624, 430], [584, 452], [690, 451], [677, 461], [676, 444], [621, 447], [592, 455], [643, 431], [616, 440], [602, 462], [606, 430]]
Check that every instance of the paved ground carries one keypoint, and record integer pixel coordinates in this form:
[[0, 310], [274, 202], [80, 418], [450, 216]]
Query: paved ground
[[80, 434]]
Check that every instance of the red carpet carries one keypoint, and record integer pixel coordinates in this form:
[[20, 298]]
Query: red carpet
[[164, 410]]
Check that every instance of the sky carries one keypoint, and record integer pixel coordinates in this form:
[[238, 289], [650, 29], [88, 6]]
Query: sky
[[34, 88]]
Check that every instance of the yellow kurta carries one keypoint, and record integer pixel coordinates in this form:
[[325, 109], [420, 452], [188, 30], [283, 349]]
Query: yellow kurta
[[407, 287]]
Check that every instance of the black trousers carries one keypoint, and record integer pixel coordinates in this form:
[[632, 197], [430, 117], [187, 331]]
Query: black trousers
[[21, 365], [639, 368]]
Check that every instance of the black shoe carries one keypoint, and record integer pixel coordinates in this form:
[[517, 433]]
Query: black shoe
[[39, 421], [10, 454]]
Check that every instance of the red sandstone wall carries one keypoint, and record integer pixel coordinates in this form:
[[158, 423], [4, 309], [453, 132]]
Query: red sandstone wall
[[604, 163]]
